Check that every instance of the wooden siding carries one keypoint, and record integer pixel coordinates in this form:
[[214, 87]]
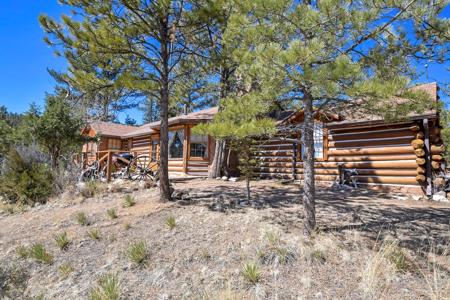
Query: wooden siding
[[381, 154]]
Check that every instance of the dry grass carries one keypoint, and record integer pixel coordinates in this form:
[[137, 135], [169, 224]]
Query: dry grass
[[108, 288], [251, 272], [380, 271], [138, 252], [38, 252], [62, 241], [94, 234], [245, 253]]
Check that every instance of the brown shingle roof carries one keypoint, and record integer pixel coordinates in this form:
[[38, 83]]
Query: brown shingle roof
[[191, 118], [111, 129], [353, 113]]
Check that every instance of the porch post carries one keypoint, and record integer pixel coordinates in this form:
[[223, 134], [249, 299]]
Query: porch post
[[108, 167], [185, 148]]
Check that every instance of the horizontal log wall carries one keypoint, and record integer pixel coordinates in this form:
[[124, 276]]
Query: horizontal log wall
[[382, 155], [140, 144]]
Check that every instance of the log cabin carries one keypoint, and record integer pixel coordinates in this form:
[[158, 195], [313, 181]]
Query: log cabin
[[396, 156]]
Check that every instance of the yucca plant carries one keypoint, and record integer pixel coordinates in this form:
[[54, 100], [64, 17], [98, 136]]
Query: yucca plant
[[94, 234], [251, 273], [112, 213], [82, 219], [108, 288], [40, 254], [138, 252], [170, 222], [62, 241], [128, 201]]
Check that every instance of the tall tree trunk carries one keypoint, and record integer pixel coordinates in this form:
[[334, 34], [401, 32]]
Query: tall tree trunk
[[219, 150], [164, 186], [308, 165]]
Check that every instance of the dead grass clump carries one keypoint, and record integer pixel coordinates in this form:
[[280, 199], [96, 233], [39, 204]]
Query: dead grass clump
[[90, 189], [225, 294], [82, 219], [380, 271], [62, 241], [108, 288], [112, 213], [138, 252], [22, 252], [275, 250], [128, 201], [94, 234], [65, 269], [13, 281], [437, 278]]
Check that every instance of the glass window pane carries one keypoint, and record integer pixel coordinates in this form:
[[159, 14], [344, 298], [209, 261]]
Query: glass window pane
[[176, 143], [318, 141], [198, 146]]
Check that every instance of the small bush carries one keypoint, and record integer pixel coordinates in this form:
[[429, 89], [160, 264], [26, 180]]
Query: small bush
[[8, 209], [112, 213], [318, 256], [22, 252], [65, 269], [40, 254], [275, 250], [82, 219], [138, 252], [112, 238], [398, 258], [26, 178], [379, 273], [126, 226], [94, 234], [90, 189], [170, 222], [108, 288], [251, 273], [128, 201], [13, 281], [62, 241]]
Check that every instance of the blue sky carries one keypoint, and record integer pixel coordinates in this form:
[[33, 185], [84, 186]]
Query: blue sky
[[24, 57]]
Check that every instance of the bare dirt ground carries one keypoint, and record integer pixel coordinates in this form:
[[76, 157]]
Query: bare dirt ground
[[217, 233]]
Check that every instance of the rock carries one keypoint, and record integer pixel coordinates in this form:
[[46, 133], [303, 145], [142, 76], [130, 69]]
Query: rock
[[233, 179], [440, 196], [225, 178]]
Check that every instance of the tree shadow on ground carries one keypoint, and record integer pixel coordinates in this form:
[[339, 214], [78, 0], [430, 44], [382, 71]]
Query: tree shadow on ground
[[419, 226]]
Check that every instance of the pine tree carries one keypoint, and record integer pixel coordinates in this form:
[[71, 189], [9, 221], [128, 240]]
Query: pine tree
[[214, 18], [147, 35], [58, 130], [242, 120], [320, 54]]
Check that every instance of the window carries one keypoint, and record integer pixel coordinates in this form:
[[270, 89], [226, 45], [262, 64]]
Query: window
[[176, 143], [318, 141], [154, 149], [114, 144], [198, 146]]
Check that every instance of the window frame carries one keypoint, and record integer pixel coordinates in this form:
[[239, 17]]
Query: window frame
[[202, 158], [324, 145], [182, 142]]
